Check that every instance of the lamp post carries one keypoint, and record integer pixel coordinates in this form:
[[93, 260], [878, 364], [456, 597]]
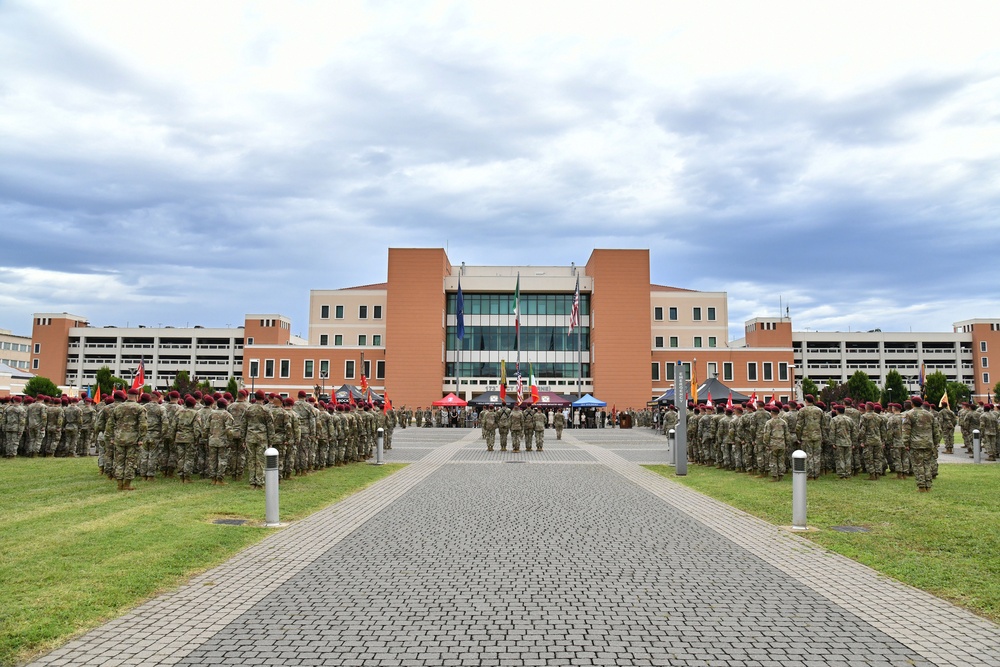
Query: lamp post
[[791, 383], [322, 378]]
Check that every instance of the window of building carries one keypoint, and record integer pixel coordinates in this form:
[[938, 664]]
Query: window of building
[[696, 313], [982, 346], [285, 368], [658, 313], [254, 368], [368, 369], [752, 371], [38, 348], [377, 312], [697, 341], [986, 377], [34, 364], [668, 371], [269, 368], [349, 369], [362, 312], [324, 339], [380, 369], [656, 371], [674, 342], [985, 362], [711, 341], [307, 368], [659, 341], [711, 314], [324, 312], [339, 312], [673, 313], [338, 339], [782, 371], [377, 340], [324, 368], [362, 340], [727, 371], [713, 369], [768, 371], [250, 340]]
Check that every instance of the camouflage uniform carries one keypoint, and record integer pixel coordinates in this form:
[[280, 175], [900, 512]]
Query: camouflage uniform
[[894, 442], [946, 422], [101, 413], [760, 449], [286, 434], [842, 435], [185, 432], [988, 433], [503, 425], [15, 421], [307, 446], [237, 459], [539, 429], [809, 433], [777, 437], [920, 432], [258, 434], [71, 430], [87, 415], [168, 455], [53, 428], [125, 430], [516, 426], [36, 427], [490, 428], [559, 422], [221, 431], [871, 444]]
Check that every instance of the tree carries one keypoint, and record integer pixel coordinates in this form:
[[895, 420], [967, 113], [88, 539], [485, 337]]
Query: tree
[[893, 382], [41, 385], [183, 384], [233, 387], [935, 386], [996, 393], [107, 381], [958, 393], [809, 387], [833, 392], [206, 387], [861, 388]]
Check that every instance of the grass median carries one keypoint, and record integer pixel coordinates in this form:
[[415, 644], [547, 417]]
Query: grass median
[[76, 552], [945, 542]]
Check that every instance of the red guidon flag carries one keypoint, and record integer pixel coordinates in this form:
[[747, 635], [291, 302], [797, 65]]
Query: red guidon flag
[[139, 378], [729, 403]]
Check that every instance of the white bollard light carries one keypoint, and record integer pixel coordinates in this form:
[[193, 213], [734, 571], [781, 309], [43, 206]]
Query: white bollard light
[[380, 439], [672, 447], [799, 478], [271, 487], [977, 446]]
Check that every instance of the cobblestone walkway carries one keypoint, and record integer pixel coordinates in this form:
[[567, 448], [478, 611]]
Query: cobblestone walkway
[[464, 559]]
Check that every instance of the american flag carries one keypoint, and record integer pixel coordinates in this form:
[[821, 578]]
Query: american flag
[[520, 384], [574, 316]]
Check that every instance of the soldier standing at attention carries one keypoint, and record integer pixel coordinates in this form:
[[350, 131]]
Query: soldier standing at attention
[[559, 420], [843, 437], [184, 434], [809, 433], [151, 450], [516, 426], [258, 434], [503, 425], [53, 425], [920, 432], [125, 431], [539, 420], [490, 427], [87, 415], [777, 438], [71, 427], [15, 421], [946, 422], [528, 420], [870, 441], [220, 435], [988, 428], [238, 455], [419, 417], [894, 439]]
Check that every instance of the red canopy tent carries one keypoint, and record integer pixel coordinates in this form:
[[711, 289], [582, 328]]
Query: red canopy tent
[[450, 400]]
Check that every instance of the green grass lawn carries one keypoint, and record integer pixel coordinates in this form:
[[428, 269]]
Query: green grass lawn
[[946, 542], [75, 552]]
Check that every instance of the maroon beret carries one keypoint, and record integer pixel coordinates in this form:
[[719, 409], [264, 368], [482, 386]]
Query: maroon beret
[[190, 401], [243, 392], [223, 403], [302, 393]]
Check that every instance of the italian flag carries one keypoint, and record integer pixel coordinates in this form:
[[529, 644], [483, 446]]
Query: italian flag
[[531, 383]]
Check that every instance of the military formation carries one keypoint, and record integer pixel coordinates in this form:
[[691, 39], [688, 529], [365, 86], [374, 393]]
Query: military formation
[[520, 426], [210, 436], [846, 440]]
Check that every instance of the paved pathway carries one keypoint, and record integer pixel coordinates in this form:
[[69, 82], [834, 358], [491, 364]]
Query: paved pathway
[[578, 557]]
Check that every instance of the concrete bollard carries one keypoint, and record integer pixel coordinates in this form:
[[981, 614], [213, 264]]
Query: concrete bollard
[[380, 441], [977, 446], [672, 447], [271, 487], [799, 479]]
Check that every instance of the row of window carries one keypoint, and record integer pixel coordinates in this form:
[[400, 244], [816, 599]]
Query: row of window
[[698, 341], [338, 339], [531, 304], [502, 338], [14, 347], [324, 312], [15, 363], [767, 367], [284, 368], [696, 313], [491, 369]]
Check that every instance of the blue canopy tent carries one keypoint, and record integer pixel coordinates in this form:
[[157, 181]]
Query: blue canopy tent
[[588, 401]]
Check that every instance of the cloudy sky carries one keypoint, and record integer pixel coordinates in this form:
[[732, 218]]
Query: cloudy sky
[[189, 162]]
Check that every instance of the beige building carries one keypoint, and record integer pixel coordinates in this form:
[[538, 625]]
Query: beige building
[[15, 351]]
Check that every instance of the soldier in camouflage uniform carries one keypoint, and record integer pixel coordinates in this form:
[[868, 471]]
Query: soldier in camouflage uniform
[[528, 427], [326, 449], [15, 422], [988, 432], [946, 422], [35, 412], [920, 432], [503, 425], [151, 452], [539, 421], [168, 454], [53, 425], [870, 442], [101, 412], [777, 437], [894, 440], [842, 435], [489, 420], [184, 433], [125, 431], [258, 434], [87, 415], [809, 433], [286, 430], [237, 458], [559, 422], [855, 415], [71, 428], [419, 417], [516, 427], [221, 431], [307, 445], [761, 453]]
